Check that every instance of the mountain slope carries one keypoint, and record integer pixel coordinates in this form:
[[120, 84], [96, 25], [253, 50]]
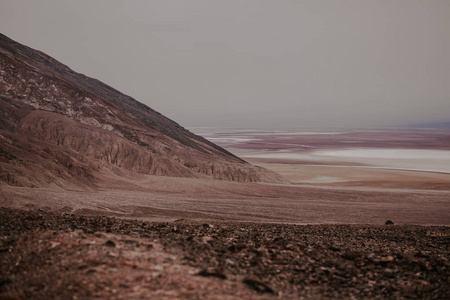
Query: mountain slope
[[61, 127]]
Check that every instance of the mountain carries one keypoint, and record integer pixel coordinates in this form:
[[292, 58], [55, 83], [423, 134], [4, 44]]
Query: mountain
[[434, 125], [59, 127]]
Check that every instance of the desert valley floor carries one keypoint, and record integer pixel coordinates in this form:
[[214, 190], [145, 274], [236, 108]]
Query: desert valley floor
[[169, 199], [155, 237], [337, 185]]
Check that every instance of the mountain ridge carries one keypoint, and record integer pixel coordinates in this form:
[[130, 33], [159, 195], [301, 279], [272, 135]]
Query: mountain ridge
[[92, 85], [44, 102]]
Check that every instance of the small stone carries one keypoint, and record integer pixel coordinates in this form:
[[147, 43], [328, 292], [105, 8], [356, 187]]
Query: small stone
[[110, 243], [387, 259], [211, 272], [389, 222], [158, 268], [54, 244], [258, 286], [207, 239], [111, 254], [129, 263], [90, 271]]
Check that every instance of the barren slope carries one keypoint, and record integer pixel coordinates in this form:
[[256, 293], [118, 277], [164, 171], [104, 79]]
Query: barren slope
[[61, 127]]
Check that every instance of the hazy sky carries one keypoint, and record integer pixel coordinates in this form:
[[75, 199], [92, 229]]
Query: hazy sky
[[257, 64]]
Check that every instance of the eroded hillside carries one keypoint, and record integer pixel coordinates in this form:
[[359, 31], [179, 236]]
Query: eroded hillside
[[61, 127]]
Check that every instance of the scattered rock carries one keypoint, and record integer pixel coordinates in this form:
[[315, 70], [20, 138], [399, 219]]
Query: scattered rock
[[211, 272], [350, 255], [388, 258], [110, 243], [206, 239], [158, 268], [5, 281], [288, 261], [258, 286]]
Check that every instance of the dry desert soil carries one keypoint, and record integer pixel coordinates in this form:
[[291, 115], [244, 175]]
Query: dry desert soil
[[64, 256]]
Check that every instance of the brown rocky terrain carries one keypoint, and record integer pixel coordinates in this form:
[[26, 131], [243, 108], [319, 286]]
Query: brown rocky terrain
[[47, 255], [59, 127]]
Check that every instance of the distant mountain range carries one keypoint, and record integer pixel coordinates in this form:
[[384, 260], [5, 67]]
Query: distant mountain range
[[431, 125], [59, 127]]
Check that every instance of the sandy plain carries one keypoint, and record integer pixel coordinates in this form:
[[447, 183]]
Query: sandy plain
[[325, 191]]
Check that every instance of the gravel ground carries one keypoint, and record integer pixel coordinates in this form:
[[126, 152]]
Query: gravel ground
[[65, 256]]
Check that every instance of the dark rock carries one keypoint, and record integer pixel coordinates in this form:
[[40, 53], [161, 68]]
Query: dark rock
[[209, 272], [110, 243], [5, 281], [258, 286], [389, 222], [350, 255]]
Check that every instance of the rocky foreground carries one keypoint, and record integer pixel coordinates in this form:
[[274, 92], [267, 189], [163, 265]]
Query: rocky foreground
[[48, 255]]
